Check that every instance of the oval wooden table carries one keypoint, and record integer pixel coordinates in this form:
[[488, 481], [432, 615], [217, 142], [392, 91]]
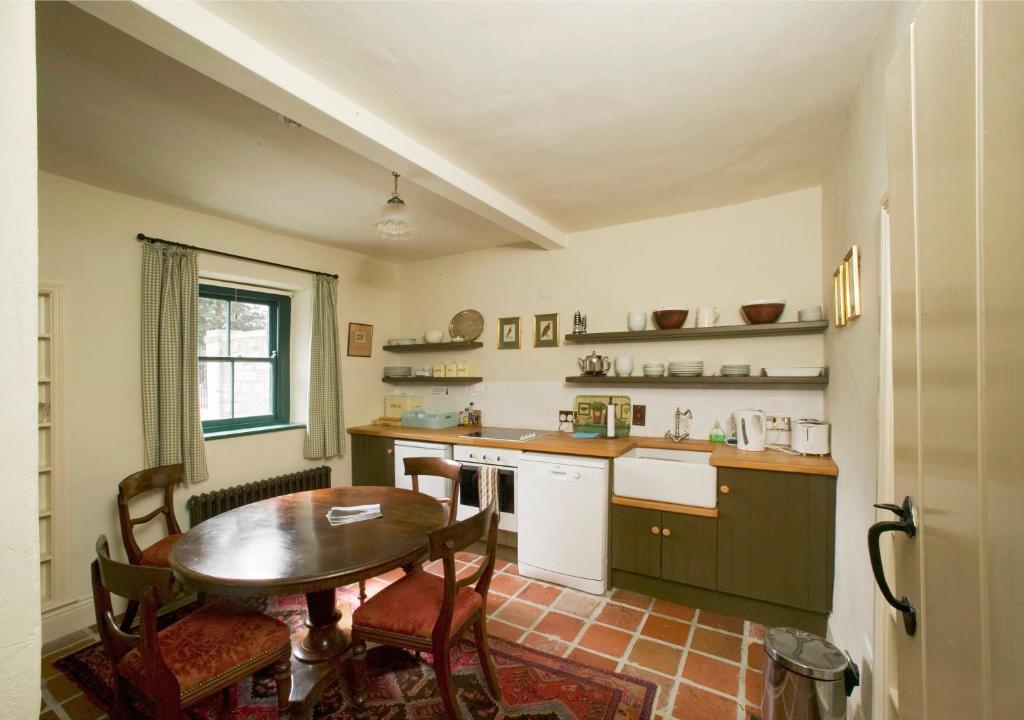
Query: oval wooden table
[[285, 546]]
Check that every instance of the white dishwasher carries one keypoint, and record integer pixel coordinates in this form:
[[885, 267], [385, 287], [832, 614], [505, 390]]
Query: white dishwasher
[[563, 520], [437, 486]]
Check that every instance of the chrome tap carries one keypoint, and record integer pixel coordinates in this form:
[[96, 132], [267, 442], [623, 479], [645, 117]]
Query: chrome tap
[[676, 435]]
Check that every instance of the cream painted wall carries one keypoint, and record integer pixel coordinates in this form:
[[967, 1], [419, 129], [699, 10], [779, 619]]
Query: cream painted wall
[[19, 533], [87, 246], [724, 257], [851, 205]]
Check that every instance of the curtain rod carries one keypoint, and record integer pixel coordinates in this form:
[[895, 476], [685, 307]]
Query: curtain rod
[[142, 237]]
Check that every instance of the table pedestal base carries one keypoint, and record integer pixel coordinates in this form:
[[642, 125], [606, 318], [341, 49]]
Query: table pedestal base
[[320, 652]]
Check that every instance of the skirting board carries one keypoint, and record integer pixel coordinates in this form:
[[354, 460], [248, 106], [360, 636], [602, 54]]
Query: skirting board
[[759, 611], [67, 618]]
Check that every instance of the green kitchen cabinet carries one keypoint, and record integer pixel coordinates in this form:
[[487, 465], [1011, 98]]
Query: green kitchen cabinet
[[373, 460], [776, 537], [636, 540], [671, 546]]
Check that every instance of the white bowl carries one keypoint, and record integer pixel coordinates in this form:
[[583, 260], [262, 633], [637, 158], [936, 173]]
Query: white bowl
[[433, 336]]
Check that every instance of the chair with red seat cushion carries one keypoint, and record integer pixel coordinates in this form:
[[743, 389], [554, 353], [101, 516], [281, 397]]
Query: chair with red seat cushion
[[436, 467], [204, 653], [424, 612], [164, 479]]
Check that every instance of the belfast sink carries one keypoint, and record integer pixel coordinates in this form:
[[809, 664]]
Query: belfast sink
[[684, 477]]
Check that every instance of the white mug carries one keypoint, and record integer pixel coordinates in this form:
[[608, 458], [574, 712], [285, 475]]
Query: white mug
[[636, 320], [707, 316], [624, 365]]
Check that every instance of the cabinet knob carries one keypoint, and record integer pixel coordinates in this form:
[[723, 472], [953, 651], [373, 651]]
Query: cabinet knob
[[655, 530], [724, 489], [390, 451]]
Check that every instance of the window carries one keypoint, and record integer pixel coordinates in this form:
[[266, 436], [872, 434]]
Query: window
[[243, 358]]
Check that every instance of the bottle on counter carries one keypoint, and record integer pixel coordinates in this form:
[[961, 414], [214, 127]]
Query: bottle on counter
[[717, 433]]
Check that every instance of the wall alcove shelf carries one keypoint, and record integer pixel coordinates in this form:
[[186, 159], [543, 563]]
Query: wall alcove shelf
[[433, 347], [702, 333], [753, 381], [432, 380]]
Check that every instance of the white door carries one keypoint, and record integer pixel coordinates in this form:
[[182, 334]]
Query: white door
[[955, 104]]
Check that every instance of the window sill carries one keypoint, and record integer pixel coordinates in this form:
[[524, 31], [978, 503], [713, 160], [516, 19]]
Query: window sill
[[252, 431]]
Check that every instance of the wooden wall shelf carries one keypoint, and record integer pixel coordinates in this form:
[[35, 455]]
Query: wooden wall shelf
[[792, 383], [703, 333], [433, 347], [433, 380]]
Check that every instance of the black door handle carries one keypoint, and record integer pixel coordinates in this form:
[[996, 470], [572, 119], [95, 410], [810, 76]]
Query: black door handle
[[905, 524]]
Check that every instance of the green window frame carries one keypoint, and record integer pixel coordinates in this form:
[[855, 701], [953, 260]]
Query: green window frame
[[279, 334]]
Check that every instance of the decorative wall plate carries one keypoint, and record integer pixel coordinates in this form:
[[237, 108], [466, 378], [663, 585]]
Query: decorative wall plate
[[468, 324]]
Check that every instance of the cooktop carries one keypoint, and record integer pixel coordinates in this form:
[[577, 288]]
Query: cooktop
[[513, 434]]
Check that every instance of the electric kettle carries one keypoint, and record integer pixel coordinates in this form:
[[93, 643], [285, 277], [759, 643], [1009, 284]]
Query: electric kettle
[[750, 429]]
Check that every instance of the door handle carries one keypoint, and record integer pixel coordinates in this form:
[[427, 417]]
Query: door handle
[[905, 524]]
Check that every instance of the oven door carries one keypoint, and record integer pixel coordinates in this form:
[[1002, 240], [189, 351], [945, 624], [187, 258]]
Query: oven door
[[469, 495]]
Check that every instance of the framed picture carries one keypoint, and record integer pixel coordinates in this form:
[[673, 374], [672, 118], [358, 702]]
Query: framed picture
[[838, 298], [360, 340], [545, 330], [851, 269], [510, 333]]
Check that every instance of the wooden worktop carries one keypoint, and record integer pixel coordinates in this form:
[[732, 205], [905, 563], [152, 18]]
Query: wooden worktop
[[563, 443]]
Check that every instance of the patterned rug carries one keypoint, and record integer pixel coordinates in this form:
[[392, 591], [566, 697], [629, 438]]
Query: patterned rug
[[535, 685]]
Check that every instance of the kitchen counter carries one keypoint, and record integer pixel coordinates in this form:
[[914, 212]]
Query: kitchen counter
[[563, 443]]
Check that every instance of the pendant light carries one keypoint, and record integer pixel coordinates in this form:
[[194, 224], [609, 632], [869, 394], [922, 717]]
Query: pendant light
[[393, 222]]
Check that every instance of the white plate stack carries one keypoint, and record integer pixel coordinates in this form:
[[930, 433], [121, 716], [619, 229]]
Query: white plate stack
[[811, 313], [735, 369], [402, 341], [686, 368], [654, 369], [397, 371]]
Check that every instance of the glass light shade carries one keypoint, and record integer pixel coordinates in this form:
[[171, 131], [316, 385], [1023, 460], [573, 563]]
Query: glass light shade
[[394, 222]]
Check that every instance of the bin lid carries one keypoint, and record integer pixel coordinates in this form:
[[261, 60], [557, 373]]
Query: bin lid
[[804, 653]]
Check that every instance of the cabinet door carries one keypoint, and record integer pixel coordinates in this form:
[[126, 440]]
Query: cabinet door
[[689, 549], [373, 460], [776, 537], [636, 540]]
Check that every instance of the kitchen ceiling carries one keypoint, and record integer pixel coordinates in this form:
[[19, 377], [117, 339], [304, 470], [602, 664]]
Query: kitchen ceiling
[[594, 113], [116, 113], [585, 114]]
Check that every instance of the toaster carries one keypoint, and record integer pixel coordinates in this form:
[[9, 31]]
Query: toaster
[[811, 437]]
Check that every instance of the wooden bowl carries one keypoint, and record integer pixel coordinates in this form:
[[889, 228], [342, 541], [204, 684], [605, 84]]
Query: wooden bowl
[[670, 319], [761, 313]]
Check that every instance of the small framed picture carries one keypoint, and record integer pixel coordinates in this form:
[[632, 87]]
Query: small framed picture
[[360, 340], [545, 330], [510, 333]]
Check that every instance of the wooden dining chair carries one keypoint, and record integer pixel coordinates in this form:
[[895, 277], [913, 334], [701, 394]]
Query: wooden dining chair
[[424, 612], [206, 652], [163, 478], [438, 467]]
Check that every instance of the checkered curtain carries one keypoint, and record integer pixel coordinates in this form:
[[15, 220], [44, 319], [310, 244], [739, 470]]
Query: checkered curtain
[[170, 363], [325, 428]]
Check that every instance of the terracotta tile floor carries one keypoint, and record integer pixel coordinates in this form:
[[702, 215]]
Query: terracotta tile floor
[[706, 666]]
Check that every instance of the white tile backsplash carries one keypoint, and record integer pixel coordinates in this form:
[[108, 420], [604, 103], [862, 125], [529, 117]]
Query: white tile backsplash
[[536, 404]]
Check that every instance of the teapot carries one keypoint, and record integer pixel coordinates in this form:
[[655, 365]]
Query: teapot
[[594, 364]]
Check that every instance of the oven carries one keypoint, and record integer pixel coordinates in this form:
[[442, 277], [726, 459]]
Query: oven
[[507, 462]]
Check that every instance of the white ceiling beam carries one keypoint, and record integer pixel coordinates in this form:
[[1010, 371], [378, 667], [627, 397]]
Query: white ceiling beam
[[192, 35]]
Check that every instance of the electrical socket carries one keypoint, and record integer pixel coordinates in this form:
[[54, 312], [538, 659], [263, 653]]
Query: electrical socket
[[566, 416], [778, 422]]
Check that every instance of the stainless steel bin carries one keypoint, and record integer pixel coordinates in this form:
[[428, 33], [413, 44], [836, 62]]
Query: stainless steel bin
[[805, 677]]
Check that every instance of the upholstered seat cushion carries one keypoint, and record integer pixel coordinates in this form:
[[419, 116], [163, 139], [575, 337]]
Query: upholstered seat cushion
[[211, 643], [156, 554], [411, 606]]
